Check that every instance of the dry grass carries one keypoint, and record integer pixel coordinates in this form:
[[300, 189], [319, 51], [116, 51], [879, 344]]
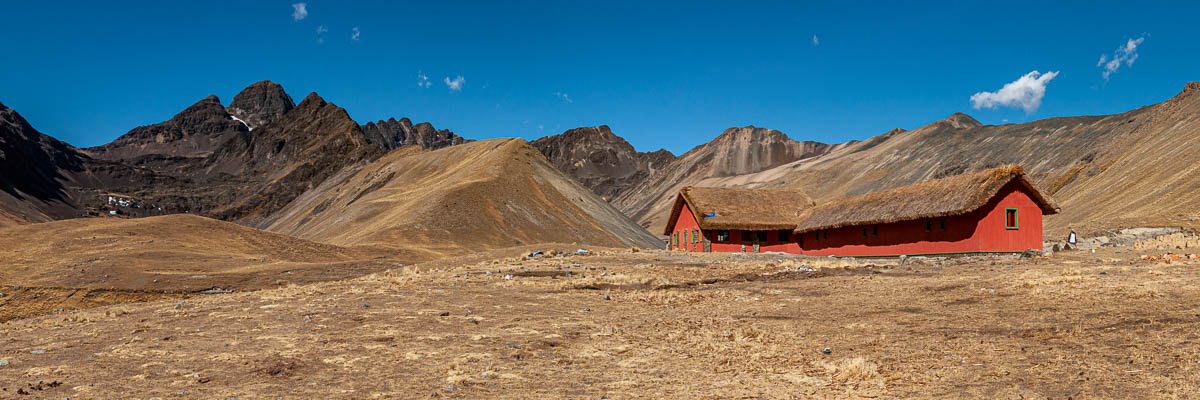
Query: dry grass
[[706, 326]]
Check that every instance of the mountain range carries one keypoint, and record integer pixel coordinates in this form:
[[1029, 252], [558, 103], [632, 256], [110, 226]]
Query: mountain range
[[262, 160], [310, 171], [1135, 168]]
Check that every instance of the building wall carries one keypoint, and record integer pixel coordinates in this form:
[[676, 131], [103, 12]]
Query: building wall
[[981, 230], [684, 226], [737, 238]]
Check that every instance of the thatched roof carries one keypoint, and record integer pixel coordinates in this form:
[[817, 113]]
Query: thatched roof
[[748, 209], [956, 195]]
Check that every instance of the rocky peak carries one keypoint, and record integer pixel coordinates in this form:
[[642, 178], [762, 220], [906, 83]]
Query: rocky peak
[[748, 149], [313, 100], [751, 133], [260, 104], [591, 136], [960, 120], [600, 160], [10, 117], [1190, 89], [192, 132], [392, 133]]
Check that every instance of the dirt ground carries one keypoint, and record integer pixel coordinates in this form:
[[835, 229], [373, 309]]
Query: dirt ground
[[649, 324]]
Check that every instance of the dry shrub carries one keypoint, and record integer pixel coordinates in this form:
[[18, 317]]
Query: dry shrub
[[404, 277], [850, 370], [798, 377], [672, 297], [1033, 279]]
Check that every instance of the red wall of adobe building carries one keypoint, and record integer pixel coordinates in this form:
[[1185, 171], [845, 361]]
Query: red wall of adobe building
[[980, 230]]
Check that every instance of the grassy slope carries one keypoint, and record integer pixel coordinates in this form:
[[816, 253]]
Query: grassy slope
[[475, 196]]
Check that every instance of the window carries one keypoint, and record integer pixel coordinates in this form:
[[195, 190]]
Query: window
[[875, 230], [695, 235], [929, 225], [784, 236], [674, 235], [864, 232], [942, 224], [1010, 218], [722, 236], [825, 235]]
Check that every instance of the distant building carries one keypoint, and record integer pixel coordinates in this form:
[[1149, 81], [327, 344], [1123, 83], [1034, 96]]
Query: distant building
[[995, 210]]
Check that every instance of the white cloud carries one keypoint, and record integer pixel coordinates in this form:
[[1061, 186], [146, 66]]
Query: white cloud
[[355, 33], [423, 80], [1125, 54], [321, 29], [455, 84], [299, 11], [564, 97], [816, 42], [1026, 92]]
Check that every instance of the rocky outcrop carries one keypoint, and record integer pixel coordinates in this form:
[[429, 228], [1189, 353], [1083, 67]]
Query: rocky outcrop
[[260, 104], [392, 134], [600, 160]]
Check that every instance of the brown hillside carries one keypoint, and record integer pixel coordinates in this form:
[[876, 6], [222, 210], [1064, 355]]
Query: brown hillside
[[168, 253], [481, 195]]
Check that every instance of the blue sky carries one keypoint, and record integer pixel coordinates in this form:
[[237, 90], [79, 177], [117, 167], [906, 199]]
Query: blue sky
[[665, 75]]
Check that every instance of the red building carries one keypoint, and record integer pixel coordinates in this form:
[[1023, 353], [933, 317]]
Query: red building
[[995, 210]]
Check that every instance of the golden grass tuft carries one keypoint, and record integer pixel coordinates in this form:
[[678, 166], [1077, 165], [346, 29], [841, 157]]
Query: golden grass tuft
[[851, 370]]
